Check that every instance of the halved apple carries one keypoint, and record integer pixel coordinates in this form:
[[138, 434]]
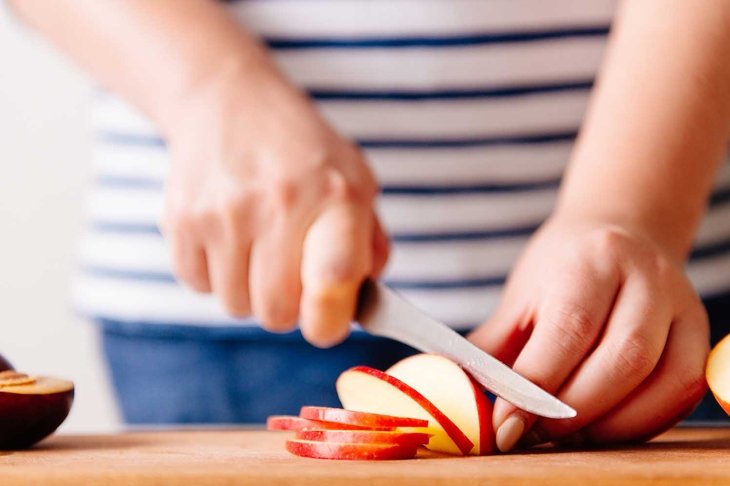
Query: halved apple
[[364, 436], [717, 373], [454, 392], [345, 451], [360, 418], [367, 389], [292, 422]]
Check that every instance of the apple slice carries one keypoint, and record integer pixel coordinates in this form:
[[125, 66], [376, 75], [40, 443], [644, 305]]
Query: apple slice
[[366, 389], [346, 451], [454, 392], [717, 373], [363, 419], [364, 436], [291, 422]]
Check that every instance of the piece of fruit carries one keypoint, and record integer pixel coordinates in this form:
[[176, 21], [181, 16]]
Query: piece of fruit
[[345, 451], [364, 436], [717, 373], [366, 389], [31, 408], [5, 364], [454, 392], [360, 418], [292, 422]]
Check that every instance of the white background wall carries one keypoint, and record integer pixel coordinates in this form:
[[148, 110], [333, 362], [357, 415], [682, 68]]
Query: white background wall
[[44, 165]]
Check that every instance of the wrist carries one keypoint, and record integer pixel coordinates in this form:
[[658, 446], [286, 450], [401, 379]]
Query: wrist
[[670, 236]]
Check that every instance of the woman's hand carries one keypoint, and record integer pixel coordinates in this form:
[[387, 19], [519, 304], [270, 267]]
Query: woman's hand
[[602, 317], [269, 208]]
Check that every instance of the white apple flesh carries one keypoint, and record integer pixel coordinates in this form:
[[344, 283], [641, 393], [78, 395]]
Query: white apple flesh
[[366, 389], [454, 392]]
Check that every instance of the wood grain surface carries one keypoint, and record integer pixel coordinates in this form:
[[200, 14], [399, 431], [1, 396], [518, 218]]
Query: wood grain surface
[[208, 457]]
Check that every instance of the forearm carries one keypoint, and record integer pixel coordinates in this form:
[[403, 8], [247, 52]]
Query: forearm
[[658, 123], [154, 53]]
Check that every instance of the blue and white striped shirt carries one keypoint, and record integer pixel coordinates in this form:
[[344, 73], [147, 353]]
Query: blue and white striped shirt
[[467, 111]]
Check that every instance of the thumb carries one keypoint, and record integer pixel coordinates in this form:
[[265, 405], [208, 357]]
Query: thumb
[[336, 257]]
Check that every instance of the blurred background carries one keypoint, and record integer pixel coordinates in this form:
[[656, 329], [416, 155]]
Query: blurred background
[[44, 165]]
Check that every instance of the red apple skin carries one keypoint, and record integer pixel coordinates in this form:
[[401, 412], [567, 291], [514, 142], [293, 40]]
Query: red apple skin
[[340, 415], [5, 364], [26, 419], [487, 438], [455, 433], [364, 437], [350, 452], [292, 422]]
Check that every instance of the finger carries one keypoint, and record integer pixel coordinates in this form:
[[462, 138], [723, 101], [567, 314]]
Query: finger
[[671, 392], [228, 262], [337, 256], [630, 349], [190, 264], [381, 248], [572, 317], [275, 280]]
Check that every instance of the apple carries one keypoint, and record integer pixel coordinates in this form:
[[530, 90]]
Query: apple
[[363, 436], [346, 451], [454, 392], [31, 408], [717, 373], [364, 419], [291, 422], [370, 390]]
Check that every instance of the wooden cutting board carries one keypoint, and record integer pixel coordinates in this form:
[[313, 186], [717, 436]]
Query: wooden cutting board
[[681, 456]]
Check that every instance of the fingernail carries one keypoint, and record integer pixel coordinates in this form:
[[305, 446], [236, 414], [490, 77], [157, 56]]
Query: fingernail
[[510, 432], [532, 438], [500, 413]]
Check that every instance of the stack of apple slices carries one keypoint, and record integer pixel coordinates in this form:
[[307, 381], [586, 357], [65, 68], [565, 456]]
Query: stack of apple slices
[[336, 433], [424, 400]]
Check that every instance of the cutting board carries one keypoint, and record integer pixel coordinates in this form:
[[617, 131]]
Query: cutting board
[[208, 457]]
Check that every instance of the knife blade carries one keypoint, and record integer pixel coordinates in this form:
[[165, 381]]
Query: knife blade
[[383, 312]]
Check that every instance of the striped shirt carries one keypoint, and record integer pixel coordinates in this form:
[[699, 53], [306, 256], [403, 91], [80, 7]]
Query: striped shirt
[[467, 111]]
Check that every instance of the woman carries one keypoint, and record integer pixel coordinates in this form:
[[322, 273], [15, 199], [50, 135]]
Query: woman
[[466, 112]]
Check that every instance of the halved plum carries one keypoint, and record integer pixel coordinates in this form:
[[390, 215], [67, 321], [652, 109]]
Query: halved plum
[[31, 408]]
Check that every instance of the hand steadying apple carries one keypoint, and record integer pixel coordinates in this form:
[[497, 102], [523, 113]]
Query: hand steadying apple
[[605, 319], [598, 308]]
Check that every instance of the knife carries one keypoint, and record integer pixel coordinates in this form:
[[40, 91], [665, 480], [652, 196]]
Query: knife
[[382, 312]]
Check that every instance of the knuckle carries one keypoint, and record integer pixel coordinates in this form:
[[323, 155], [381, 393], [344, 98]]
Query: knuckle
[[575, 328], [283, 193], [177, 224], [635, 356], [661, 267], [609, 240], [341, 273], [340, 188]]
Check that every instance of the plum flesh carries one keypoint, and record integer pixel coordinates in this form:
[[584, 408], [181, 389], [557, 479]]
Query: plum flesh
[[31, 408]]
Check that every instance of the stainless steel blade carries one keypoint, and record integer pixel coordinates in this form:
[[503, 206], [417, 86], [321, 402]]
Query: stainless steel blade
[[384, 313]]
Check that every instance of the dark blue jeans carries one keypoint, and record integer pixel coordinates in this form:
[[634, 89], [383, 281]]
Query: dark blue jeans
[[172, 374]]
